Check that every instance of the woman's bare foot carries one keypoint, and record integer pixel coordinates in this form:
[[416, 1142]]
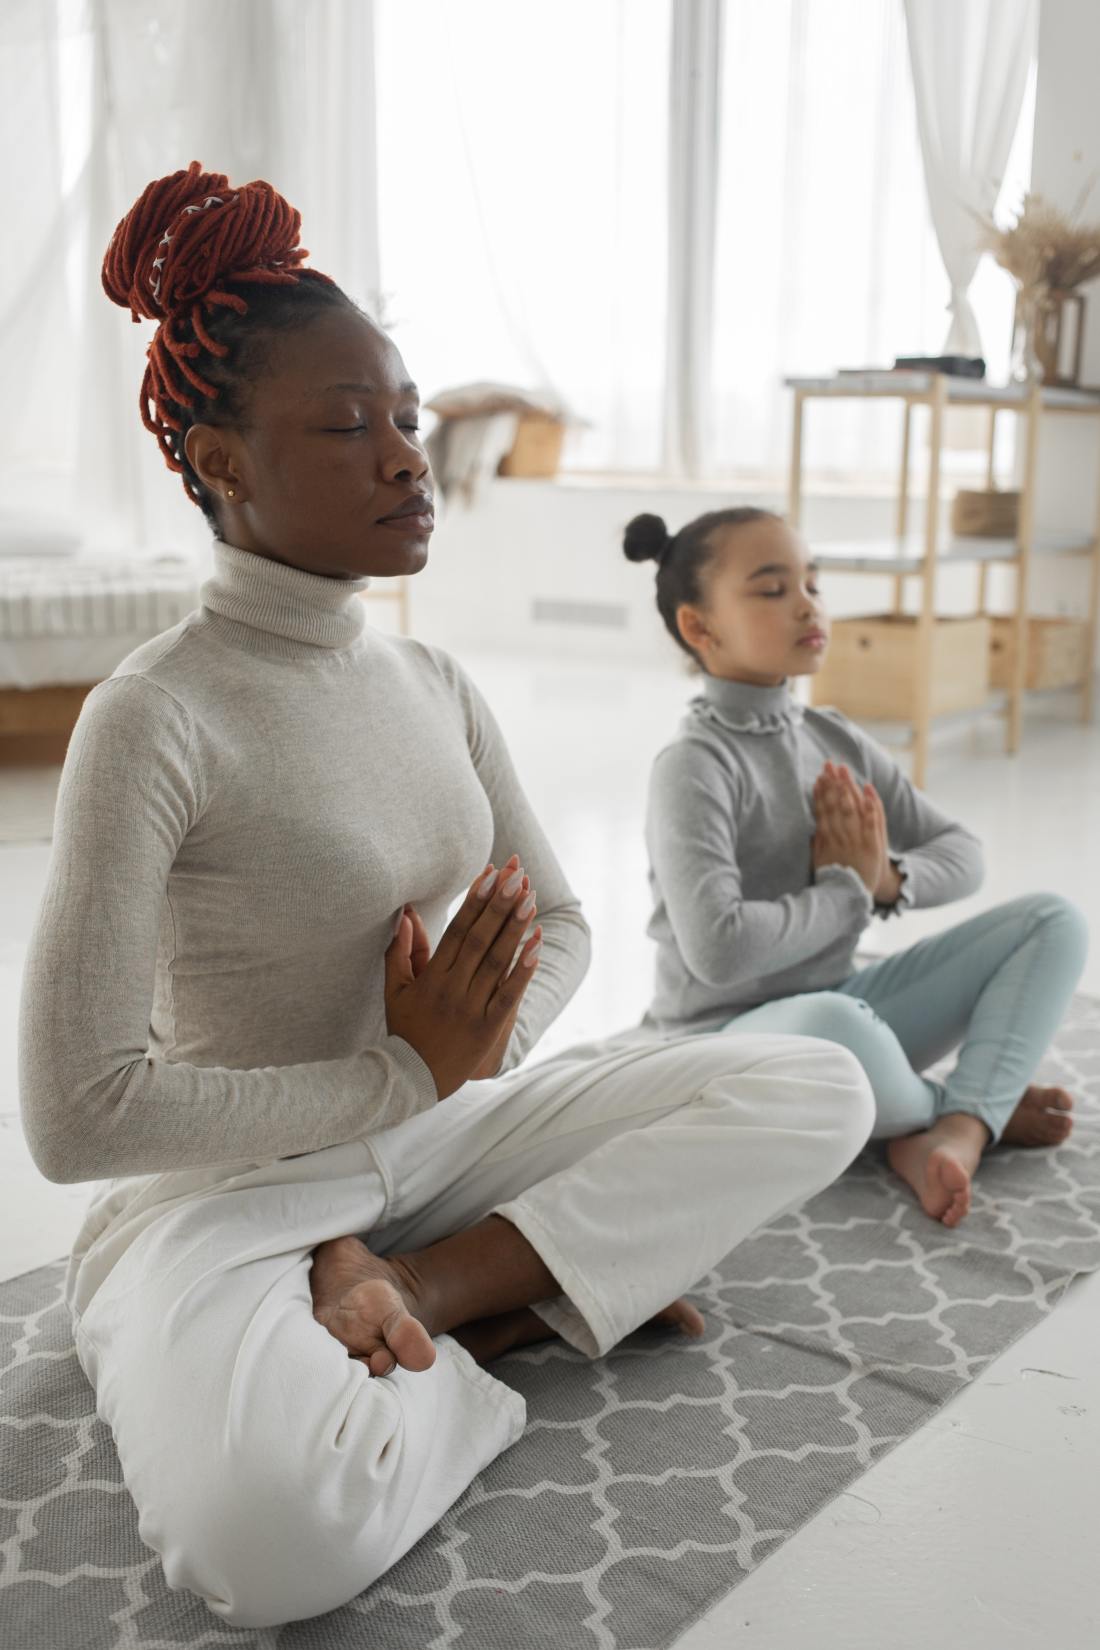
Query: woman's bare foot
[[371, 1305], [490, 1338], [680, 1315], [1031, 1124], [938, 1164]]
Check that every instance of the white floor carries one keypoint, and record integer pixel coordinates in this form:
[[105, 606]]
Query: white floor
[[981, 1529]]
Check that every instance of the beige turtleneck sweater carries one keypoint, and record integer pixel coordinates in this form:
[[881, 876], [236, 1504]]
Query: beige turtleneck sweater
[[245, 805]]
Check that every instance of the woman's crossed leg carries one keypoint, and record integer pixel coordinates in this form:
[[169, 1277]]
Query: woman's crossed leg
[[274, 1474]]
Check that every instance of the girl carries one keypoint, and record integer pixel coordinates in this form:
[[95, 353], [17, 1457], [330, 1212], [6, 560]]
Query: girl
[[775, 833], [247, 1008]]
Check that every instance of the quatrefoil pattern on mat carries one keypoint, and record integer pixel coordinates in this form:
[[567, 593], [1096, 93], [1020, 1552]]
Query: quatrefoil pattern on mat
[[647, 1483]]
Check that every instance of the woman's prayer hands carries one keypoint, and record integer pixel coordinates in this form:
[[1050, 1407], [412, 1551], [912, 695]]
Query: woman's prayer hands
[[422, 950], [851, 830], [457, 1008]]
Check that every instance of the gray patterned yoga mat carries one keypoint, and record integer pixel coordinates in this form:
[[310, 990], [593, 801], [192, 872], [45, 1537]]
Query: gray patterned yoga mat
[[648, 1483]]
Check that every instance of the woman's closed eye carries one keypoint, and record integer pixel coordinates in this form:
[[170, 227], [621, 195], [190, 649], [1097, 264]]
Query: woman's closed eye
[[811, 590], [350, 429]]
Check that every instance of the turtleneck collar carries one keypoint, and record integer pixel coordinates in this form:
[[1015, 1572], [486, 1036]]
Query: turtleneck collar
[[749, 709], [271, 607]]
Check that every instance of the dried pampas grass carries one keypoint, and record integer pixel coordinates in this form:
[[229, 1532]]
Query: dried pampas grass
[[1044, 250]]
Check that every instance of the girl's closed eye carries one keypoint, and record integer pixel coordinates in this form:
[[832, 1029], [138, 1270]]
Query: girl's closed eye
[[811, 590]]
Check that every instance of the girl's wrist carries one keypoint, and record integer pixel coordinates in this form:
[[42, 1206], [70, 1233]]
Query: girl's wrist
[[889, 886]]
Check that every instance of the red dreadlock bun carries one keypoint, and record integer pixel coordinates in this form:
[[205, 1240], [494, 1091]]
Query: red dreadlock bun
[[188, 232], [182, 239]]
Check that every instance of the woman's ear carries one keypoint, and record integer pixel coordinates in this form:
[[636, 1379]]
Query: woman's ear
[[209, 453]]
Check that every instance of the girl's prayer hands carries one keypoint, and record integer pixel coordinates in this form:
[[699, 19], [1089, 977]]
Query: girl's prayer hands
[[889, 883], [457, 1008], [851, 827]]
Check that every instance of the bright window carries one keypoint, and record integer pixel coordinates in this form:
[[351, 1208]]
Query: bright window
[[523, 216]]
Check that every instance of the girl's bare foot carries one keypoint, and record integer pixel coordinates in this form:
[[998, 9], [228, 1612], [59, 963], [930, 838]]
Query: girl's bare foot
[[371, 1305], [938, 1164], [1031, 1125], [490, 1338]]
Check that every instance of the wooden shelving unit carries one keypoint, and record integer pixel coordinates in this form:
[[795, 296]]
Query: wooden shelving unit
[[905, 556], [396, 590]]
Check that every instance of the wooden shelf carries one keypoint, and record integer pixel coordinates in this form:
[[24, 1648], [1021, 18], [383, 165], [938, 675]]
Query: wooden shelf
[[905, 555], [397, 590], [884, 555], [921, 386]]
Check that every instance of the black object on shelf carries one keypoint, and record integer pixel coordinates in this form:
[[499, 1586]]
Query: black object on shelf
[[957, 366]]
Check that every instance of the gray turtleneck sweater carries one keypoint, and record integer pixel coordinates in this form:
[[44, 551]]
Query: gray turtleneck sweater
[[739, 916], [245, 805]]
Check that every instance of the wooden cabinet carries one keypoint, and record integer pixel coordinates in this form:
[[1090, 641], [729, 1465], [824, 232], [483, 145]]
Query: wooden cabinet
[[911, 651], [871, 667]]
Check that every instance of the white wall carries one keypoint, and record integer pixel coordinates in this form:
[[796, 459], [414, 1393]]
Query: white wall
[[1065, 157], [529, 542], [1066, 148]]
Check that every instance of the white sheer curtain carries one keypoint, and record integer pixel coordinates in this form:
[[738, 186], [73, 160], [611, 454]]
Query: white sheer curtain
[[695, 115], [523, 215], [42, 210], [98, 97], [518, 201], [970, 62]]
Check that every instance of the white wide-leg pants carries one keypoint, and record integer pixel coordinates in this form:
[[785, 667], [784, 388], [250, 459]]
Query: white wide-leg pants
[[273, 1474]]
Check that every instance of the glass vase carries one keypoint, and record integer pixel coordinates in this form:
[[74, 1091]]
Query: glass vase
[[1025, 366]]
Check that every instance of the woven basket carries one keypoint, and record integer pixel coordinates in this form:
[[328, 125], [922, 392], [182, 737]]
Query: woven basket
[[985, 514], [536, 451]]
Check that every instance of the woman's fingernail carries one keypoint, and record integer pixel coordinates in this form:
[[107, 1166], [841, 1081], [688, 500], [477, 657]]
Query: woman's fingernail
[[512, 885], [530, 958], [523, 911], [398, 921], [484, 889]]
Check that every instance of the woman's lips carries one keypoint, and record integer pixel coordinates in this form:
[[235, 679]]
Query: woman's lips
[[419, 522], [815, 639]]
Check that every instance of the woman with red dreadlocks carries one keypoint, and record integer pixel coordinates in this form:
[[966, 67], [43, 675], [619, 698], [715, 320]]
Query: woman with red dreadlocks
[[333, 1193]]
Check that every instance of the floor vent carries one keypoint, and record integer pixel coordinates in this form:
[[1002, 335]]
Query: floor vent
[[609, 615]]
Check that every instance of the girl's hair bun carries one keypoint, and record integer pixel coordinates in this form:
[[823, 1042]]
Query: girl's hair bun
[[646, 539], [189, 232]]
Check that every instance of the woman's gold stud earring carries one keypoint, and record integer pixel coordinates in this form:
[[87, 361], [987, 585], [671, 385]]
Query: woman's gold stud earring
[[230, 492]]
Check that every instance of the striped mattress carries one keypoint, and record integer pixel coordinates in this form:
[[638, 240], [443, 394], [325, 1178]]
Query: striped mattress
[[74, 618], [95, 595]]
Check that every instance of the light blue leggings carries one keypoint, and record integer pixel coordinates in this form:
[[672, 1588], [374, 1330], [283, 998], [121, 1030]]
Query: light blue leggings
[[998, 984]]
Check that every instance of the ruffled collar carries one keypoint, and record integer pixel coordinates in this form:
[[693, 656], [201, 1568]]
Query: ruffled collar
[[273, 600], [745, 708]]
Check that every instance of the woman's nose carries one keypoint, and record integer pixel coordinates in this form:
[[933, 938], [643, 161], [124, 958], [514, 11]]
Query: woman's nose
[[404, 461]]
